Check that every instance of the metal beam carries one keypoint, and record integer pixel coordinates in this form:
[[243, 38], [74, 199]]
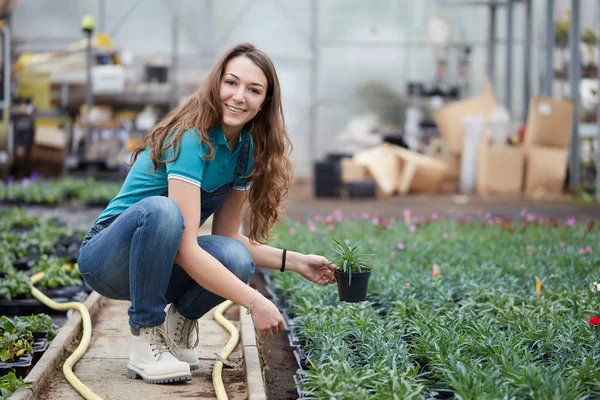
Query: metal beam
[[527, 61], [598, 142], [575, 72], [509, 57], [492, 46], [174, 59], [314, 84], [549, 47]]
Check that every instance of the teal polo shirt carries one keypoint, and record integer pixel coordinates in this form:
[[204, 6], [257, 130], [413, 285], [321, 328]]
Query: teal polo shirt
[[190, 166]]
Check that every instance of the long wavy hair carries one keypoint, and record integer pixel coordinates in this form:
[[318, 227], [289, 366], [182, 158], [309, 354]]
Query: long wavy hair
[[271, 176]]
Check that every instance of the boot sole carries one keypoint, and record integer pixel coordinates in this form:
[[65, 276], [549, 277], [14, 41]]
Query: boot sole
[[194, 366], [133, 374]]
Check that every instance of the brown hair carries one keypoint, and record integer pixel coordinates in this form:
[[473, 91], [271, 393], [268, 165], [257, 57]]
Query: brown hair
[[271, 176]]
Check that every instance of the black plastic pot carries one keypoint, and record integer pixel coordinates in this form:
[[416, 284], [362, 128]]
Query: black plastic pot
[[21, 367], [301, 358], [352, 287], [39, 347]]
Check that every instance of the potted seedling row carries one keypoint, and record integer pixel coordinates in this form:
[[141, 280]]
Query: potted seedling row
[[352, 273]]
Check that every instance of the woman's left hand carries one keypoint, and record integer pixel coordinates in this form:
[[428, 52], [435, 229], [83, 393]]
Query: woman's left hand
[[316, 269]]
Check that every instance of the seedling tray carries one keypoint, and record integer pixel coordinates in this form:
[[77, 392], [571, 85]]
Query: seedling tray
[[39, 347], [21, 367]]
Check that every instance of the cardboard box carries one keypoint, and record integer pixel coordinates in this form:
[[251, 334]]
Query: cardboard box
[[449, 119], [549, 123], [352, 171], [383, 165], [420, 173], [545, 171], [500, 170]]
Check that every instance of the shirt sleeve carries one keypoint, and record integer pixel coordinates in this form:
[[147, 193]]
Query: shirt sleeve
[[190, 163], [242, 182]]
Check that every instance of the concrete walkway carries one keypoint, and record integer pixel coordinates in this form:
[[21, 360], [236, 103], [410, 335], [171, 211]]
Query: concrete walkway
[[103, 366]]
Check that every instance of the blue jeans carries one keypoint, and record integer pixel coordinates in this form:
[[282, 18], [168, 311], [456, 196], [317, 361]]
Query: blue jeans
[[132, 258]]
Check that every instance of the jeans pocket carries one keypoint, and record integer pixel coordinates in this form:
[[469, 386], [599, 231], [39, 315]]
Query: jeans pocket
[[102, 287]]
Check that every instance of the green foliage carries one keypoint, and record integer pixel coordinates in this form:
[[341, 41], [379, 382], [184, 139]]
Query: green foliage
[[348, 258], [9, 383], [478, 331], [14, 285], [36, 323], [53, 191]]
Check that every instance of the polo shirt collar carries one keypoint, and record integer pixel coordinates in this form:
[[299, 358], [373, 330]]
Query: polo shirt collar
[[220, 140]]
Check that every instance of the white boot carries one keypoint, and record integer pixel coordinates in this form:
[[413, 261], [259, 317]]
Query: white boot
[[152, 357], [184, 333]]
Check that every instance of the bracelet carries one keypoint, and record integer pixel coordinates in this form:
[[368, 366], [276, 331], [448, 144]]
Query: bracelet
[[249, 310], [283, 260]]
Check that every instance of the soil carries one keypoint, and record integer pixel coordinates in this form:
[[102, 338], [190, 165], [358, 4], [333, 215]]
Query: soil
[[277, 360]]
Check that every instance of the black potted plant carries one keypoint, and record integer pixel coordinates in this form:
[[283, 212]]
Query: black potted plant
[[352, 273]]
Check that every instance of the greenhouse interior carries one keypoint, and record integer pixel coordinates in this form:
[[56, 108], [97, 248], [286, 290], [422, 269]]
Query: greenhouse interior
[[337, 199]]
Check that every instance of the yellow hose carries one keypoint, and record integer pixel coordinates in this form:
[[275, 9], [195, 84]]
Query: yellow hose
[[87, 335], [226, 351], [85, 340]]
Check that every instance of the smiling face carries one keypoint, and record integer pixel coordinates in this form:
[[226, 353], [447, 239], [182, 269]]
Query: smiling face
[[242, 92]]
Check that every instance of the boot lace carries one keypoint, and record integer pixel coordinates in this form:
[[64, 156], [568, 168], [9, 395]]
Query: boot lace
[[187, 331], [161, 342]]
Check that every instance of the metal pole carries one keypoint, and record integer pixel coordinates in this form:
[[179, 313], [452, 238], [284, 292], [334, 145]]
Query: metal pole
[[101, 16], [527, 61], [598, 143], [89, 96], [509, 49], [575, 72], [174, 60], [314, 75], [549, 61], [6, 78], [492, 46]]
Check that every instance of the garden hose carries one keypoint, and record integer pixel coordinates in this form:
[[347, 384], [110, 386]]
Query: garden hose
[[87, 334], [85, 339], [226, 351]]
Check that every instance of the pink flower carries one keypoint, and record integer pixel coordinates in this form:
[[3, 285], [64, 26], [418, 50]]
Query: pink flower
[[434, 217], [571, 221], [530, 217], [581, 251], [292, 231], [407, 212], [589, 250], [400, 245], [488, 214], [445, 236], [523, 212], [412, 228], [389, 224], [376, 221], [318, 218], [366, 215], [561, 245], [311, 228]]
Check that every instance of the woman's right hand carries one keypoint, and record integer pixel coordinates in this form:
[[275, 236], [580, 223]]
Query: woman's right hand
[[266, 317]]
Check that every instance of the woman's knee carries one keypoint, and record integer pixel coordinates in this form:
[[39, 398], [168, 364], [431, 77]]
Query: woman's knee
[[163, 213], [236, 257]]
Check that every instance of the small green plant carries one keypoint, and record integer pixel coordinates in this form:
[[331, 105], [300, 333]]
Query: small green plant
[[13, 345], [56, 276], [36, 323], [9, 383], [15, 285], [348, 258]]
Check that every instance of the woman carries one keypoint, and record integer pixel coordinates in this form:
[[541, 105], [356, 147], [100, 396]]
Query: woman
[[225, 146]]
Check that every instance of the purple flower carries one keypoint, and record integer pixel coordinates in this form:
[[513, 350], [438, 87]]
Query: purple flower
[[35, 176], [400, 245]]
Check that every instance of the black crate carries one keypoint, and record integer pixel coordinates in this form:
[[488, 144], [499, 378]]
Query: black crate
[[362, 190], [327, 179]]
